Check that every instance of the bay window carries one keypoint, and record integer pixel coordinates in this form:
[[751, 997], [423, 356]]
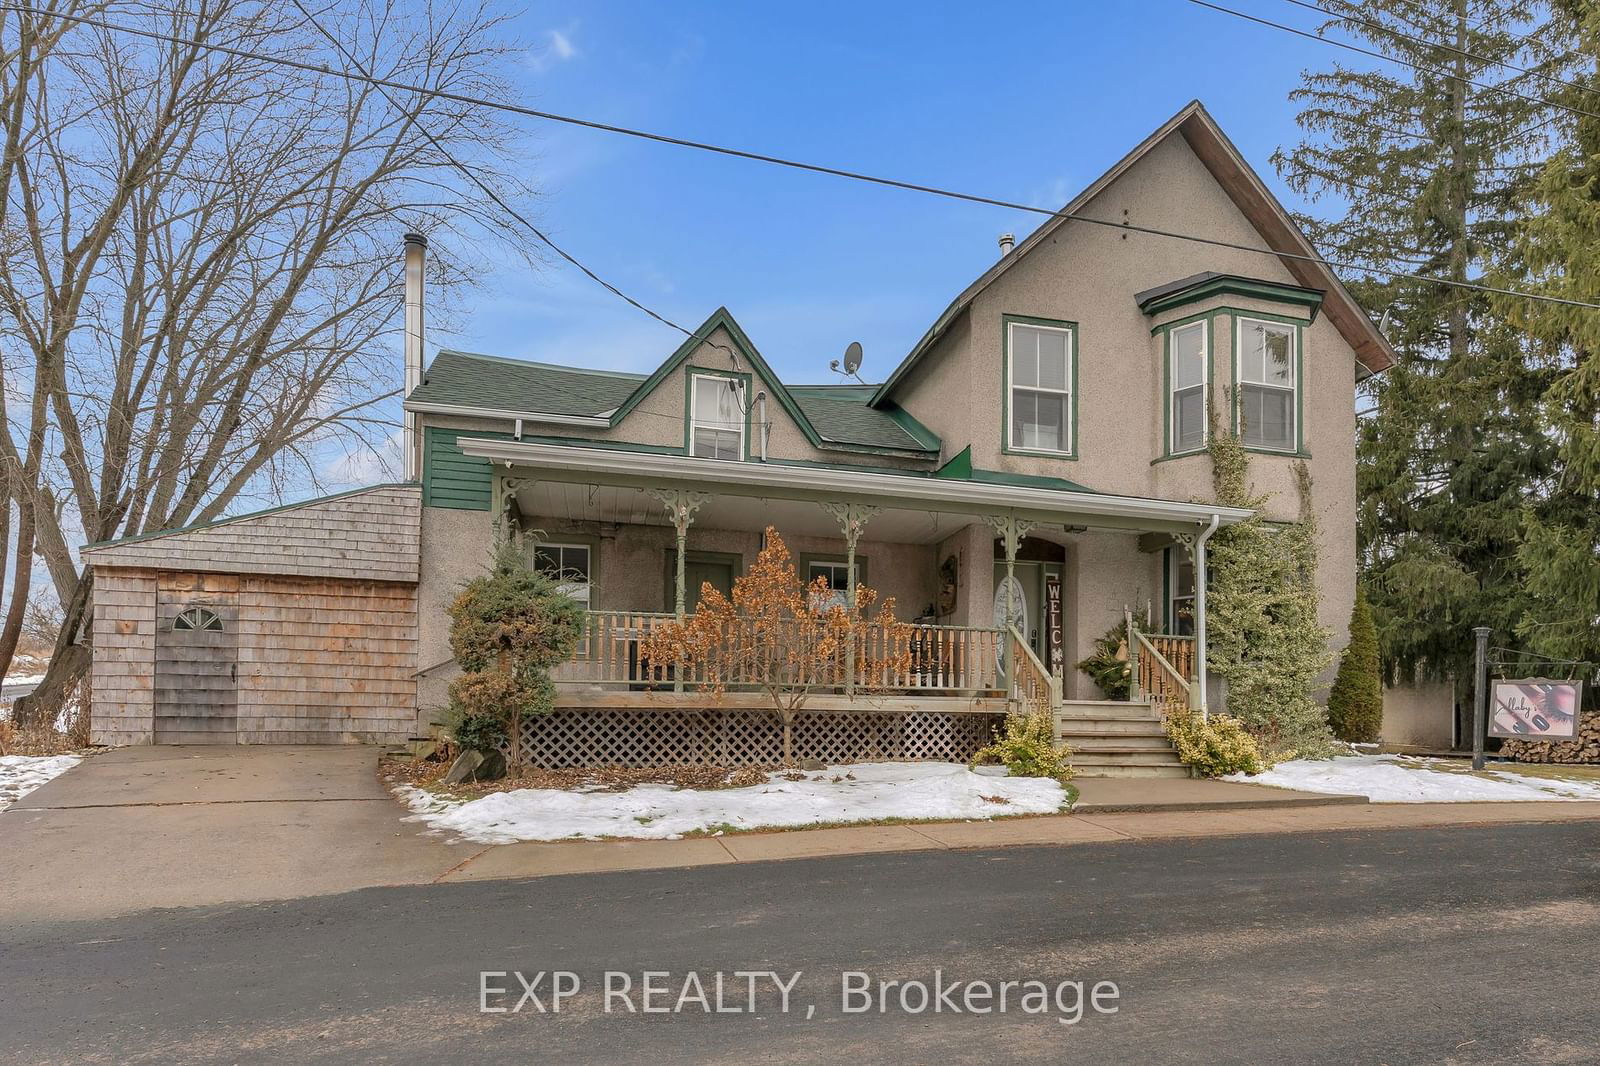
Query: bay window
[[1188, 358], [1267, 384]]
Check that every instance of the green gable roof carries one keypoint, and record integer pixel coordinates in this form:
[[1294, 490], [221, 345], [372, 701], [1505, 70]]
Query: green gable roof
[[840, 413], [467, 379]]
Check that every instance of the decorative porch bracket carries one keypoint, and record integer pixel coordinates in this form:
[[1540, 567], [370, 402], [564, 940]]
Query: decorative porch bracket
[[506, 526], [1011, 530], [852, 519], [681, 506]]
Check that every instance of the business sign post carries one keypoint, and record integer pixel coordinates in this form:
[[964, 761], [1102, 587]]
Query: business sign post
[[1535, 708]]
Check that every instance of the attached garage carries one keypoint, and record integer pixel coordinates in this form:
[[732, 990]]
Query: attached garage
[[291, 626]]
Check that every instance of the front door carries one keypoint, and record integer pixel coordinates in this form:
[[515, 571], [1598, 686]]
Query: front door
[[197, 659], [700, 569]]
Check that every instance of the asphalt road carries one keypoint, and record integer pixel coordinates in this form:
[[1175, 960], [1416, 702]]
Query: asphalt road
[[1438, 946]]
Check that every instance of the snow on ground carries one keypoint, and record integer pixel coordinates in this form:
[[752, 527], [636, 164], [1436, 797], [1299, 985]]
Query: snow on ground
[[878, 790], [21, 774], [1398, 779]]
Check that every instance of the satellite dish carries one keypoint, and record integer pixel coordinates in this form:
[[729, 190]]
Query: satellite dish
[[852, 357], [1383, 323]]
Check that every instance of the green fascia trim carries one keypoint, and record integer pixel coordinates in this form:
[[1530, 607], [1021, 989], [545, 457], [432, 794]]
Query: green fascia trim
[[1232, 285], [1210, 320], [1006, 322], [1299, 380], [908, 422], [134, 538], [959, 467]]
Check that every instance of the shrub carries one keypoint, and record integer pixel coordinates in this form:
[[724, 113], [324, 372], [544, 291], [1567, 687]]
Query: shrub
[[1027, 748], [507, 629], [479, 732], [1212, 747], [1110, 667], [1355, 703]]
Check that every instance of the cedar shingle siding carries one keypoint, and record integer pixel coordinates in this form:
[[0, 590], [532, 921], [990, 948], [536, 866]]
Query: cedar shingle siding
[[321, 601]]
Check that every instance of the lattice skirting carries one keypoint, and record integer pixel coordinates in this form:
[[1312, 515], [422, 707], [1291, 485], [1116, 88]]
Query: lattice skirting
[[620, 737]]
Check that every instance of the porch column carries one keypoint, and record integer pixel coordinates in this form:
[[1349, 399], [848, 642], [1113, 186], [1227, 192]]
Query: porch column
[[681, 506], [1011, 530], [1196, 544], [852, 518]]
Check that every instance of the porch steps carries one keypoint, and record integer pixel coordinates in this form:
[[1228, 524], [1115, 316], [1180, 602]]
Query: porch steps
[[1115, 739]]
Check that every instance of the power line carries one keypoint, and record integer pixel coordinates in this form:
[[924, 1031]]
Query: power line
[[813, 168], [482, 185], [1380, 27], [1308, 35]]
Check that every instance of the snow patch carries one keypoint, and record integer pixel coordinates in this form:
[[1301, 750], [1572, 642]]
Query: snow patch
[[1399, 779], [21, 774], [662, 812]]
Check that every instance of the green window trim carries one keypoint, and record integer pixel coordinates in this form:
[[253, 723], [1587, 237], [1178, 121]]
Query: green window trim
[[669, 596], [746, 384], [1239, 317], [1208, 321], [1071, 329]]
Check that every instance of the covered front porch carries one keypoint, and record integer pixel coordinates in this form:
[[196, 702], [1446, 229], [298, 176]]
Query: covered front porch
[[998, 590]]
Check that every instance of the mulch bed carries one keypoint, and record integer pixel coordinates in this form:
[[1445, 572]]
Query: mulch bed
[[427, 774]]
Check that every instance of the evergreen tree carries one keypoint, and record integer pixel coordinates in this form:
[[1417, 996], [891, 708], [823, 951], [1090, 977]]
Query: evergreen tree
[[1557, 253], [1355, 703], [1426, 170]]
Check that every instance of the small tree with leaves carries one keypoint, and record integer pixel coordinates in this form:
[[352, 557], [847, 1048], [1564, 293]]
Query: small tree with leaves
[[782, 637], [1355, 704], [507, 629]]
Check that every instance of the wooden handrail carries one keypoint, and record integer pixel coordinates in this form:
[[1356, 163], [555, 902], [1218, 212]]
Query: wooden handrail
[[1033, 686], [1158, 678]]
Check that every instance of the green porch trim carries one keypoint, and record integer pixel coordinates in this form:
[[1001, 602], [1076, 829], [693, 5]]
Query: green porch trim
[[134, 538], [1071, 328], [1235, 285]]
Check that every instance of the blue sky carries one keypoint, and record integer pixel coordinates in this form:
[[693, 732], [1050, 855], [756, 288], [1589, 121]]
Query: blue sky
[[1024, 101]]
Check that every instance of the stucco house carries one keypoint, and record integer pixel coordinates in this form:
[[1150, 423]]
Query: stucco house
[[1033, 468]]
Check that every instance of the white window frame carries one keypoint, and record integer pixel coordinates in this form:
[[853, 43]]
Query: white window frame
[[1204, 326], [1239, 383], [715, 426], [587, 583], [1068, 426], [841, 597]]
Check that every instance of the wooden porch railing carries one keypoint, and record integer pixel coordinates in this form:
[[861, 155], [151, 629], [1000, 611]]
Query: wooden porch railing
[[1165, 667], [911, 658], [1033, 687]]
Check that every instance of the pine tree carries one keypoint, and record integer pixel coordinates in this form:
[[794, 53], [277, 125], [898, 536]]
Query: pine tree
[[1427, 169], [1557, 253], [1355, 703]]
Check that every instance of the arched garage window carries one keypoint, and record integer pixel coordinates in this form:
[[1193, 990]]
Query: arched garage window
[[198, 618]]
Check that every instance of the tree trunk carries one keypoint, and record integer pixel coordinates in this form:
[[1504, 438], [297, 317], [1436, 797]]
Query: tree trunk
[[68, 663]]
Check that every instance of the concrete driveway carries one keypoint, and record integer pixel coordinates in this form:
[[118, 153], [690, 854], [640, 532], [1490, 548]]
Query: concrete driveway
[[138, 828]]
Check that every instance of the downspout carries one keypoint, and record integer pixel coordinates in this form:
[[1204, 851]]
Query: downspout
[[416, 246], [764, 425], [1200, 610]]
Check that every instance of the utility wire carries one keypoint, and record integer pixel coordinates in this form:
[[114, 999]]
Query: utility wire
[[813, 168], [1435, 71], [482, 185], [1391, 31]]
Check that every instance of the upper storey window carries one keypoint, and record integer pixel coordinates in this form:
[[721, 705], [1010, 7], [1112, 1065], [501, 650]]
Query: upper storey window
[[716, 417], [1268, 381], [1041, 375], [1188, 363]]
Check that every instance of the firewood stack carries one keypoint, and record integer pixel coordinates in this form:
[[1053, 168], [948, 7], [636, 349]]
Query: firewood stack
[[1585, 749]]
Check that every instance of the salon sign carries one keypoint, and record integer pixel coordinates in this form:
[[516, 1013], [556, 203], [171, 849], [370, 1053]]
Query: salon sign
[[1535, 708]]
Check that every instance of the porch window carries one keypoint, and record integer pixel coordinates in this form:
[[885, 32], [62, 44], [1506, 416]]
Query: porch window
[[1268, 384], [570, 565], [716, 415], [837, 576], [1187, 362], [1180, 593], [1041, 377]]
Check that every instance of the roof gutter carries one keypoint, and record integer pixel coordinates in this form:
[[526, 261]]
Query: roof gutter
[[592, 421], [564, 463]]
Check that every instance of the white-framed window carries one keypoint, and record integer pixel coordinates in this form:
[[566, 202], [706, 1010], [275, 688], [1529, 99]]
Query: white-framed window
[[570, 564], [1188, 375], [1180, 593], [716, 417], [837, 575], [1039, 400], [1267, 384]]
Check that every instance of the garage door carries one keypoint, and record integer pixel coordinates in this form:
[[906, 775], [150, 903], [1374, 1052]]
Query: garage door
[[197, 659]]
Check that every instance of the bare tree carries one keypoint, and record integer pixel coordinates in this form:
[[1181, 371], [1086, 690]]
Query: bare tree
[[198, 279]]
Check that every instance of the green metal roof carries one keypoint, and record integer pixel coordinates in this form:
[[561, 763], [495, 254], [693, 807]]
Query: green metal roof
[[467, 379]]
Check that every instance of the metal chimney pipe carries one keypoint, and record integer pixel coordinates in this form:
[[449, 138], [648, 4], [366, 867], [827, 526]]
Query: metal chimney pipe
[[416, 247], [1008, 241]]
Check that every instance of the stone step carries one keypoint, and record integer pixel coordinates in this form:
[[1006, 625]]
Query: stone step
[[1130, 771]]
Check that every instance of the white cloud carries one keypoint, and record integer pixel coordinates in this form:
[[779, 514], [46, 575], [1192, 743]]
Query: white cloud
[[560, 46]]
